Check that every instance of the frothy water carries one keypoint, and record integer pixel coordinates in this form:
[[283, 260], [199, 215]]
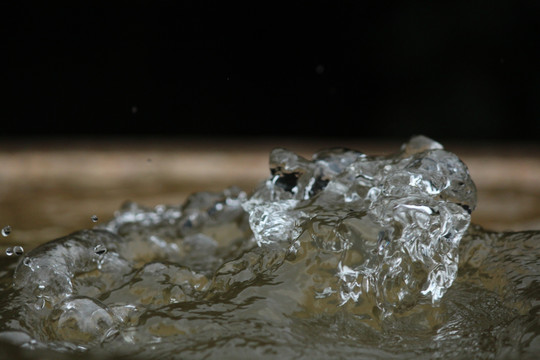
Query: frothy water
[[341, 256]]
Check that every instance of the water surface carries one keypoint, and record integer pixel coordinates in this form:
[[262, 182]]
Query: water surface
[[341, 256]]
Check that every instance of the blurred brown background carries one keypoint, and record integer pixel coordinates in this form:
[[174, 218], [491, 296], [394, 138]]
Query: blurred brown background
[[49, 188]]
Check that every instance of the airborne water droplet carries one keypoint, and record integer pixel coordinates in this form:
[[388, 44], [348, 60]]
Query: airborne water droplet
[[94, 218], [6, 230], [18, 250], [9, 251]]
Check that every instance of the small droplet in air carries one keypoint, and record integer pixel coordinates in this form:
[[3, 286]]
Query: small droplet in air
[[9, 251], [100, 249], [18, 250], [6, 230], [94, 218]]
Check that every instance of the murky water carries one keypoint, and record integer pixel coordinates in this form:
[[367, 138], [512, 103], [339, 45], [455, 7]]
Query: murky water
[[342, 256]]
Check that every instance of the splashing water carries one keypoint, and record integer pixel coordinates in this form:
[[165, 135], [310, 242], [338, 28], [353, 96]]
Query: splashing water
[[341, 256]]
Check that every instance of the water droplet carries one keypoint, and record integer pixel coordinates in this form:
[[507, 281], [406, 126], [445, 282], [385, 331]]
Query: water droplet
[[27, 262], [18, 250], [9, 251], [94, 218], [100, 249], [6, 230]]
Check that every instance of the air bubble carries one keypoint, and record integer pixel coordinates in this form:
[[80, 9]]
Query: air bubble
[[100, 249], [94, 218], [18, 250], [9, 251], [80, 320], [6, 230], [27, 262]]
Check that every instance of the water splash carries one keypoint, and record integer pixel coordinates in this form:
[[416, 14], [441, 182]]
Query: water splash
[[341, 256], [399, 215]]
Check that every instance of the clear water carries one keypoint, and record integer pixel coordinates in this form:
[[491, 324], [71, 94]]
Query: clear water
[[341, 256]]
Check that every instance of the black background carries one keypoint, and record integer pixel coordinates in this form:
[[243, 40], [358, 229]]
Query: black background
[[447, 69]]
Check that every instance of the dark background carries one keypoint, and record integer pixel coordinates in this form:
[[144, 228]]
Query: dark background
[[447, 69]]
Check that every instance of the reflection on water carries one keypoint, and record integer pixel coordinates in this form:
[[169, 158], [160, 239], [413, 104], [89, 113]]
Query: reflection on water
[[341, 256]]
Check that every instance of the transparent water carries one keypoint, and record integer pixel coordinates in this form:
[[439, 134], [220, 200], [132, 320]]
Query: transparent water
[[341, 256]]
